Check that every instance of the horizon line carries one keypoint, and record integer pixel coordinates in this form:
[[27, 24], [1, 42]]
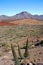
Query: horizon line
[[19, 13]]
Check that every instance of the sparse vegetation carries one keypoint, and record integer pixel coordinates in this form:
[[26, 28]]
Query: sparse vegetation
[[6, 46], [18, 35]]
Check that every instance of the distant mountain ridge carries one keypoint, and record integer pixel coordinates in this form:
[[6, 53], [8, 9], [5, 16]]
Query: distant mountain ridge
[[22, 15]]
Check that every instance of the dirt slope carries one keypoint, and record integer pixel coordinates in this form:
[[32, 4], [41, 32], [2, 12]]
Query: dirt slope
[[28, 21], [21, 22]]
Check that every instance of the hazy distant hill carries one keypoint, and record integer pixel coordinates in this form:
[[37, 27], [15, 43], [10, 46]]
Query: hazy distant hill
[[22, 15], [4, 17]]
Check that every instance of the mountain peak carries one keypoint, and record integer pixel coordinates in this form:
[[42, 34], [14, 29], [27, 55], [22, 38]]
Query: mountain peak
[[24, 13]]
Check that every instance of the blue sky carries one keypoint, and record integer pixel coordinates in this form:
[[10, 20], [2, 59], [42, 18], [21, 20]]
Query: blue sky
[[12, 7]]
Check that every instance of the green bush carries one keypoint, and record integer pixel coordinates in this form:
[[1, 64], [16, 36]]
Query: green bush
[[6, 46]]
